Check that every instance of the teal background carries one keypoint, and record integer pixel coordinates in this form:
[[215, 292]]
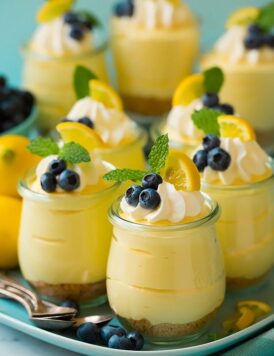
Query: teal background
[[17, 23]]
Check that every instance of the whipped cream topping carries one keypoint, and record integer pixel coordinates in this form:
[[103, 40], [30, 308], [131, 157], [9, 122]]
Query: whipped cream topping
[[174, 207], [247, 160], [90, 172], [231, 45], [52, 38], [112, 126]]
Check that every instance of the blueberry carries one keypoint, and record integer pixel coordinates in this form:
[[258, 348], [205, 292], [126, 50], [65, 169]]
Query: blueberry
[[136, 339], [151, 181], [108, 331], [57, 166], [3, 81], [253, 41], [254, 29], [48, 182], [120, 342], [132, 195], [218, 159], [269, 40], [88, 332], [28, 98], [210, 99], [71, 18], [86, 121], [211, 141], [225, 108], [76, 32], [71, 304], [200, 160], [124, 8], [69, 180], [149, 199]]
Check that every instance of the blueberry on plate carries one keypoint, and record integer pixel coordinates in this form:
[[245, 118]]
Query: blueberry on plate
[[149, 199], [124, 8], [71, 304], [48, 182], [86, 121], [225, 108], [88, 332], [211, 141], [132, 195], [218, 159], [210, 100], [200, 160], [108, 331], [136, 339], [120, 342], [151, 180], [76, 32], [69, 180], [253, 41], [57, 166]]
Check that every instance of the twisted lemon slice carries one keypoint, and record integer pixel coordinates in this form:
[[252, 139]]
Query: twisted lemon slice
[[233, 126], [52, 9], [105, 94], [189, 89], [243, 16]]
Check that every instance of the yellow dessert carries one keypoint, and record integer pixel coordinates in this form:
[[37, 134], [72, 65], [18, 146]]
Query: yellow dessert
[[63, 40], [64, 235], [165, 261], [239, 175], [246, 54], [154, 46]]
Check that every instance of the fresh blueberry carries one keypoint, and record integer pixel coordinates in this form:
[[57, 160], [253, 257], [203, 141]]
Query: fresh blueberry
[[3, 81], [132, 195], [86, 121], [210, 100], [136, 339], [254, 29], [225, 108], [71, 304], [151, 181], [57, 166], [211, 141], [71, 18], [69, 180], [149, 199], [120, 342], [200, 160], [28, 98], [108, 331], [253, 41], [218, 159], [88, 332], [76, 32], [269, 40], [124, 8], [48, 182]]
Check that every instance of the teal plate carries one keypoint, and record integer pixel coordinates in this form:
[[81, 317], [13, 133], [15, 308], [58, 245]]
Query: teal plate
[[13, 315]]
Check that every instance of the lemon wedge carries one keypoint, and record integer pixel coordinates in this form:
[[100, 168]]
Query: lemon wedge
[[189, 89], [105, 94], [257, 304], [243, 16], [246, 318], [52, 9], [233, 126]]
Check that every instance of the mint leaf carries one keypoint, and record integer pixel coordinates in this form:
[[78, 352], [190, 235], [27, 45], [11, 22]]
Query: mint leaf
[[89, 17], [121, 175], [81, 78], [74, 153], [266, 17], [158, 154], [207, 120], [42, 146], [214, 79]]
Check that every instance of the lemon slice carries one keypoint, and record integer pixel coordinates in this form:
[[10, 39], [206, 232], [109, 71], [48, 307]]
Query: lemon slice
[[181, 172], [79, 133], [105, 94], [52, 9], [257, 304], [189, 89], [246, 318], [243, 16], [233, 126]]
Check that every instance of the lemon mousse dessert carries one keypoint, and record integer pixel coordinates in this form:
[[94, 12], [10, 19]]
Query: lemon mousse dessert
[[64, 234], [154, 44], [165, 275], [239, 175], [246, 54], [64, 39]]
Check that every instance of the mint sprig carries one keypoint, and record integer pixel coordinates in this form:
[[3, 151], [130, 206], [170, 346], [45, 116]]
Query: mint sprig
[[81, 78], [207, 120], [266, 17], [214, 79], [121, 175], [90, 17], [43, 147]]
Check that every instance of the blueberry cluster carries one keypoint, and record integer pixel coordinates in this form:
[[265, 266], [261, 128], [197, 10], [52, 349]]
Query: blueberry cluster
[[15, 105], [78, 25], [58, 174], [211, 100], [83, 120], [146, 195], [124, 8], [212, 155], [113, 337], [257, 38]]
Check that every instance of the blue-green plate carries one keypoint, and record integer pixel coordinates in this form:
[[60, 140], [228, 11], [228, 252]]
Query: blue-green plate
[[13, 315]]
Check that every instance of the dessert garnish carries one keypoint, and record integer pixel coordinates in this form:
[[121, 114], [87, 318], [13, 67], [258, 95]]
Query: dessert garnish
[[124, 8]]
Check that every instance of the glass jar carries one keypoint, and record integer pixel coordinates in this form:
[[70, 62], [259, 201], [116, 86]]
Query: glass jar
[[64, 243], [166, 281]]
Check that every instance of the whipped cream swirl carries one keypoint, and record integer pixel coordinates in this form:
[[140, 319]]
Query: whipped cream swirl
[[174, 207], [113, 126], [247, 160], [231, 45], [53, 39]]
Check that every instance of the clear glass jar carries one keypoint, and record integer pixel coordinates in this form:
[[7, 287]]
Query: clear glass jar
[[166, 281], [245, 230], [64, 243]]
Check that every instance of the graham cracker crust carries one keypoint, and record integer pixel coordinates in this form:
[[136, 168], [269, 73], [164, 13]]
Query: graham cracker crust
[[146, 106], [235, 283], [168, 329], [76, 292]]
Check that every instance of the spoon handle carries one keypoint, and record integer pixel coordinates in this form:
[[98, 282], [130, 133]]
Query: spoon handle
[[18, 298]]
